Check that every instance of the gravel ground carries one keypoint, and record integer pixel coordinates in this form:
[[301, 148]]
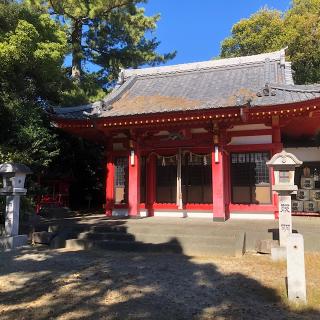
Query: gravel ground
[[38, 283]]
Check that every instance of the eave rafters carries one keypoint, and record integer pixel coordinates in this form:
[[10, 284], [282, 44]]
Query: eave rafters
[[221, 118]]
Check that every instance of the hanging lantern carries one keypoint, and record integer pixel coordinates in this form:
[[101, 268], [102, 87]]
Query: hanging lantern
[[163, 162]]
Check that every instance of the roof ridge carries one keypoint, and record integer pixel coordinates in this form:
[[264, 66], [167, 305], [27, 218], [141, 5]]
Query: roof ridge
[[183, 72], [115, 94], [296, 88], [288, 73], [63, 110], [277, 55]]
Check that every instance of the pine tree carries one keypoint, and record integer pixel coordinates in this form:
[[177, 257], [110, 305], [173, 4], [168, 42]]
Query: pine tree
[[111, 34]]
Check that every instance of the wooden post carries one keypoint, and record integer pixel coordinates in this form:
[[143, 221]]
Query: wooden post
[[179, 181]]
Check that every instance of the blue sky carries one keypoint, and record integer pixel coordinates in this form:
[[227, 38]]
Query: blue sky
[[196, 28]]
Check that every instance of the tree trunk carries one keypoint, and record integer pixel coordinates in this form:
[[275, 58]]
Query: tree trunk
[[76, 35]]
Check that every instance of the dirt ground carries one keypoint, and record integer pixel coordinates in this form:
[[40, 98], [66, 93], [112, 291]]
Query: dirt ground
[[38, 283]]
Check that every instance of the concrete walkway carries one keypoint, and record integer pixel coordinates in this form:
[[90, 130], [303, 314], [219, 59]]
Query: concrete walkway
[[158, 230], [300, 224]]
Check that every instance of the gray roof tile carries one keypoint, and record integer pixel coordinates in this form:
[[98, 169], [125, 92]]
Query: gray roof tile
[[205, 85]]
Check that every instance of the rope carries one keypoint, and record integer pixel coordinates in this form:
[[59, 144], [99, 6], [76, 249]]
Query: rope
[[166, 159]]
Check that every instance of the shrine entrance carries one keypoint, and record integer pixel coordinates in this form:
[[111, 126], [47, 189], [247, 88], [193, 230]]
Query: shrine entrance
[[184, 178], [166, 179], [196, 179]]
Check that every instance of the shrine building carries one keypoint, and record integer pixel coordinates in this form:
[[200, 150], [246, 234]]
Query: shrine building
[[192, 140]]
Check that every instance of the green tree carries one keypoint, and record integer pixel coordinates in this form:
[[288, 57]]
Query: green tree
[[111, 34], [262, 32], [32, 50], [269, 30], [303, 39]]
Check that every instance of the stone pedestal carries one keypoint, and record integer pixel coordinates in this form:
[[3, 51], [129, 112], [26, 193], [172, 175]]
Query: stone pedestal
[[12, 216], [296, 269], [285, 219], [13, 175], [285, 226], [12, 239]]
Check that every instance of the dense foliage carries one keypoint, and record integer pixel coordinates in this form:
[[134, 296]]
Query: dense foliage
[[32, 49], [269, 30], [110, 34], [36, 37]]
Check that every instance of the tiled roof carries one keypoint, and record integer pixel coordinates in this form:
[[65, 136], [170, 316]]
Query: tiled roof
[[264, 79]]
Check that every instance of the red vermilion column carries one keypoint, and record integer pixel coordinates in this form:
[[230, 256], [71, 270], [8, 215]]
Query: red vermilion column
[[134, 183], [219, 184], [109, 185], [151, 183]]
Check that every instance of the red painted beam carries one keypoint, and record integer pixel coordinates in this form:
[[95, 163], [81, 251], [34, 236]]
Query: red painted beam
[[259, 132]]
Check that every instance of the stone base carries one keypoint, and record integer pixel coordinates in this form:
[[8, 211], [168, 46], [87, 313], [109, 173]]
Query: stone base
[[265, 246], [240, 244], [13, 242], [279, 253], [219, 219], [42, 237]]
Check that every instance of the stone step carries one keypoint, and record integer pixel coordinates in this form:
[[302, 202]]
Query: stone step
[[152, 237], [167, 230], [105, 236], [170, 238], [174, 246]]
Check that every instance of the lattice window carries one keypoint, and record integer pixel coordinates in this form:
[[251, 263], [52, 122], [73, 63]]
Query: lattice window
[[121, 180], [120, 171], [261, 169], [250, 177]]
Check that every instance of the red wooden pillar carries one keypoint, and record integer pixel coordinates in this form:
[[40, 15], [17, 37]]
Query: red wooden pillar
[[109, 185], [220, 183], [134, 182], [276, 141], [151, 183]]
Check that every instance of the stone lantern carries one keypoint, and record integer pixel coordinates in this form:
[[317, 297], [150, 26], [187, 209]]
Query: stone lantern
[[291, 245], [13, 175], [283, 165]]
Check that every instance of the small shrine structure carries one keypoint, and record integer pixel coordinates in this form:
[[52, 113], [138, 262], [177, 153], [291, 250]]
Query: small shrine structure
[[193, 139]]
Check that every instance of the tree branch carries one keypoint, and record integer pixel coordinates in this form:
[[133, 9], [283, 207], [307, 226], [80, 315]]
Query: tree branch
[[63, 13], [111, 8]]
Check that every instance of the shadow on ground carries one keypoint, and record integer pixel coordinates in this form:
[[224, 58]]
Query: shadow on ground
[[59, 284]]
